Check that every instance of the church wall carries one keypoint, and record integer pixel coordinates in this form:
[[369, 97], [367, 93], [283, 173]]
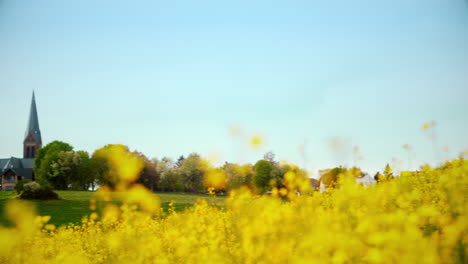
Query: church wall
[[9, 180]]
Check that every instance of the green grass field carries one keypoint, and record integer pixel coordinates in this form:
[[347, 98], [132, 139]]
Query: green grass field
[[75, 204]]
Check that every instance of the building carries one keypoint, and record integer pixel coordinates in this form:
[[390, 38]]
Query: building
[[15, 169]]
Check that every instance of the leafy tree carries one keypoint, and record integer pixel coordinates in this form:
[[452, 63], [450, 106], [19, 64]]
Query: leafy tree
[[277, 174], [72, 170], [262, 175], [170, 179], [86, 173], [45, 158], [191, 173], [356, 172], [164, 164], [102, 163], [105, 174], [329, 177], [378, 176], [64, 169], [180, 160], [148, 176], [238, 175], [388, 174]]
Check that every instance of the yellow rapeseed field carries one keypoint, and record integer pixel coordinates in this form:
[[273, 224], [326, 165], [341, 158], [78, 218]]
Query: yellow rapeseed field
[[415, 218]]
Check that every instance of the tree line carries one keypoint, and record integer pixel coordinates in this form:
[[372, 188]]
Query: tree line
[[58, 165]]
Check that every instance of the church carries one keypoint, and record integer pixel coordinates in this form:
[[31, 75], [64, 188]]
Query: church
[[14, 169]]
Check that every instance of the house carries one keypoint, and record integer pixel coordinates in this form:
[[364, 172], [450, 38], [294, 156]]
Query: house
[[14, 169]]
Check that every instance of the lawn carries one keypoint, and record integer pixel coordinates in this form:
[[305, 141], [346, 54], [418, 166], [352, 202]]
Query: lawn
[[75, 204]]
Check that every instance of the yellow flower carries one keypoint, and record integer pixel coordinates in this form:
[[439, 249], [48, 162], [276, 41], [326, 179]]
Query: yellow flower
[[216, 179], [256, 141], [426, 126]]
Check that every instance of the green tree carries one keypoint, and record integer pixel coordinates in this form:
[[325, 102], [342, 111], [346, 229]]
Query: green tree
[[277, 174], [238, 175], [170, 179], [64, 169], [45, 158], [180, 160], [330, 177], [378, 177], [72, 170], [148, 176], [102, 167], [106, 174], [191, 173], [86, 173], [388, 174], [262, 175]]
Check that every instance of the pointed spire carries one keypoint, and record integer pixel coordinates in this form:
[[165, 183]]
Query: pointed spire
[[33, 124]]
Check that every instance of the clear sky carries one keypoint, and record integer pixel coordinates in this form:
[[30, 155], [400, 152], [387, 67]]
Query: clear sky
[[168, 78]]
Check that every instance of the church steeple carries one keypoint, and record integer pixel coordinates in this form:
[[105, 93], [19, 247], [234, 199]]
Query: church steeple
[[33, 139]]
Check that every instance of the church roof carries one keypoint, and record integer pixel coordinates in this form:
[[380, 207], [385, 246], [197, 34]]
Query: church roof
[[12, 163], [33, 124], [21, 167]]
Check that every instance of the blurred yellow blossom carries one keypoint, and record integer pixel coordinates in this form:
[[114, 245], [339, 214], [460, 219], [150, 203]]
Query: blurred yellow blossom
[[428, 125], [235, 130], [418, 217], [256, 141], [215, 178]]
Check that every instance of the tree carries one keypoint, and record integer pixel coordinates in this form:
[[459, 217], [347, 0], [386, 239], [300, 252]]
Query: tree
[[86, 173], [330, 177], [388, 174], [180, 160], [191, 173], [72, 170], [105, 173], [262, 175], [113, 163], [148, 176], [277, 174], [378, 177], [238, 175], [64, 170], [170, 179], [102, 167], [45, 158]]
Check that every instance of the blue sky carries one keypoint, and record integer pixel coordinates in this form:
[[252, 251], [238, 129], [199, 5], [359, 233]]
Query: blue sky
[[169, 78]]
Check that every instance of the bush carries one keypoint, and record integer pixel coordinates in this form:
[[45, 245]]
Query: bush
[[34, 190], [20, 185]]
